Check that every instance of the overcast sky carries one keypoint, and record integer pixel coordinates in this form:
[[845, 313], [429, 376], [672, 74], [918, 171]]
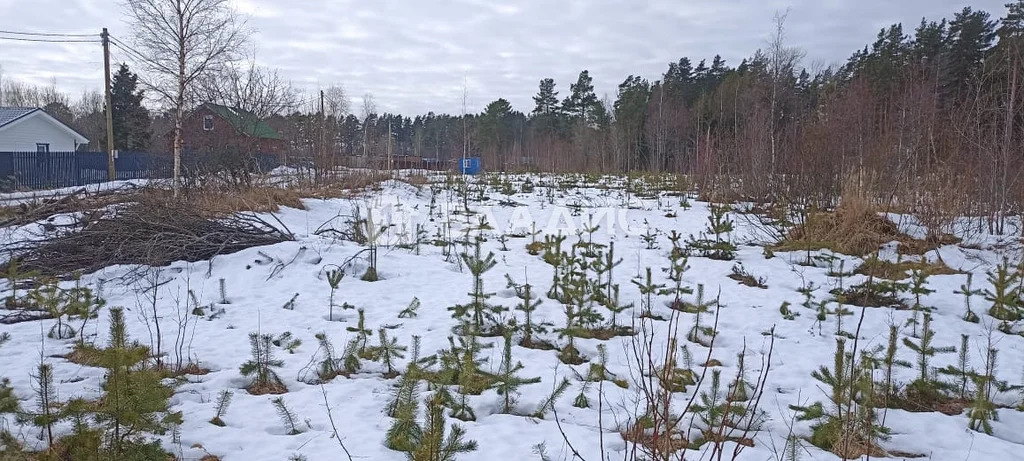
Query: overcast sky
[[414, 55]]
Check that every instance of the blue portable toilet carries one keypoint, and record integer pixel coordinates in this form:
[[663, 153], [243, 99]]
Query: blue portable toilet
[[469, 165]]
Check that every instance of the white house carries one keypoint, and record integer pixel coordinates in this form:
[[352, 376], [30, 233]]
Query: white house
[[26, 129]]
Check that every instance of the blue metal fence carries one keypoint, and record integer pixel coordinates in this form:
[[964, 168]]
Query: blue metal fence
[[47, 170]]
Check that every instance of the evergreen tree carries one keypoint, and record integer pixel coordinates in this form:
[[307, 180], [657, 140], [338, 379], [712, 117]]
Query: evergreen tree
[[135, 400], [970, 35], [223, 402], [968, 293], [1005, 293], [546, 99], [8, 401], [131, 119], [982, 411], [528, 303], [925, 386], [478, 309], [582, 102], [404, 431], [260, 367], [288, 417], [929, 42], [430, 443], [386, 352], [506, 382]]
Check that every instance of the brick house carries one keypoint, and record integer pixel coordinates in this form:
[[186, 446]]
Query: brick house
[[219, 130]]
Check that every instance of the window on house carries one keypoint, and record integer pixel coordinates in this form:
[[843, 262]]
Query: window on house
[[42, 148], [208, 123]]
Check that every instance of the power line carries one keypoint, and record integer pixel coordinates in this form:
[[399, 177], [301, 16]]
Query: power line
[[41, 34], [47, 40], [132, 52]]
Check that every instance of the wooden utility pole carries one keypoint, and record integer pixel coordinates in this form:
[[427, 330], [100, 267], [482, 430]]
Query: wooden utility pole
[[323, 134], [111, 173]]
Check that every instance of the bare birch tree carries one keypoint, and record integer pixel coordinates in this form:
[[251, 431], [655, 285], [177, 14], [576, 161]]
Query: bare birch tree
[[181, 41]]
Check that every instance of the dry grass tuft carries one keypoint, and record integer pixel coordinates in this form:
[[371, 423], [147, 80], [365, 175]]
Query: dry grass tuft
[[901, 270], [269, 388], [854, 228], [653, 442], [417, 179]]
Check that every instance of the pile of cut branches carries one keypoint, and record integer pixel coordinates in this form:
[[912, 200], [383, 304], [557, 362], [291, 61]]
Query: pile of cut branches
[[24, 211], [143, 233]]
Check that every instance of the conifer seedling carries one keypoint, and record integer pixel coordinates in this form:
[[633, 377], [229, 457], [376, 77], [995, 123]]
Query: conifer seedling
[[334, 278], [288, 417], [506, 381], [410, 311], [223, 402], [260, 366], [968, 293]]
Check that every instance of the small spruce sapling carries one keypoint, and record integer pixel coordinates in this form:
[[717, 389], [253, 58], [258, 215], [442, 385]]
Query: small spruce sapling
[[701, 334], [290, 305], [333, 280], [918, 287], [135, 400], [721, 226], [528, 304], [506, 381], [1005, 293], [223, 402], [8, 401], [288, 417], [287, 342], [478, 310], [48, 408], [410, 311], [549, 402], [14, 275], [386, 352], [432, 443], [404, 431], [786, 312], [982, 411], [647, 290], [676, 269], [925, 387], [260, 367], [891, 362], [51, 298], [350, 357], [961, 372], [362, 334], [968, 293], [331, 365]]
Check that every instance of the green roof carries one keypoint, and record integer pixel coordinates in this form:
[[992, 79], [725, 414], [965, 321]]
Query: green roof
[[245, 122]]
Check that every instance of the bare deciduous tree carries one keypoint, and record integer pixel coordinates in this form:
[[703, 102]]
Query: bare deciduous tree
[[183, 40], [256, 89]]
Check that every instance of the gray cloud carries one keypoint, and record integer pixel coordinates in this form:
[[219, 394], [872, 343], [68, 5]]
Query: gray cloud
[[414, 56]]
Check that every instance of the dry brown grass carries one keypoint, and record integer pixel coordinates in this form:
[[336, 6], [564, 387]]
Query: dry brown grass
[[417, 179], [654, 443], [269, 388], [217, 201], [854, 228], [901, 270]]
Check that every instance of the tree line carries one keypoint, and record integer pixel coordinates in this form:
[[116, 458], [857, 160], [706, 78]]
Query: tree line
[[914, 110]]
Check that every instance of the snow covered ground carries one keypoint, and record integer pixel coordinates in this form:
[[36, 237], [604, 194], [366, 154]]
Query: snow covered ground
[[259, 282]]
